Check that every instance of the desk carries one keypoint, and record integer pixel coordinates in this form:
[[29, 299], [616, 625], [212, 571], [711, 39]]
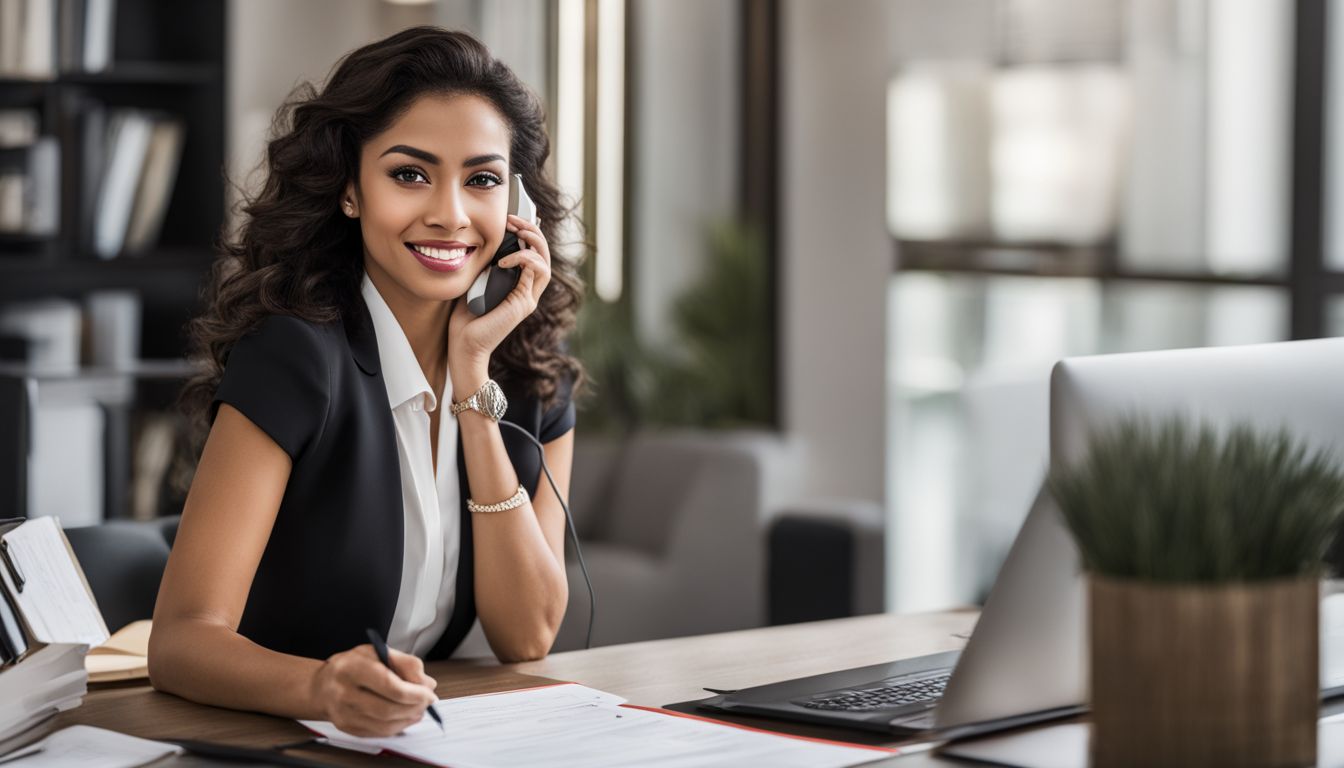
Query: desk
[[651, 673]]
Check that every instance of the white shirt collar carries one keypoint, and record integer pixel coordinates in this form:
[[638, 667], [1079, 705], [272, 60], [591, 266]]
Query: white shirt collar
[[401, 371]]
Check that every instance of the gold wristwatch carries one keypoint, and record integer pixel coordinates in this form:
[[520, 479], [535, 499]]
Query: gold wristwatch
[[488, 400]]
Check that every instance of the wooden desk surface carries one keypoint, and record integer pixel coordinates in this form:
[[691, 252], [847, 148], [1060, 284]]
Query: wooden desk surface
[[650, 673]]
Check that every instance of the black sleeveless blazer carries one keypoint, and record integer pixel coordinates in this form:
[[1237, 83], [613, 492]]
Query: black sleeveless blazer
[[332, 566]]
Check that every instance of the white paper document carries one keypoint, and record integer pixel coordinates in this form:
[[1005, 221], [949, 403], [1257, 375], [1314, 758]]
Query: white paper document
[[54, 600], [573, 726], [83, 746]]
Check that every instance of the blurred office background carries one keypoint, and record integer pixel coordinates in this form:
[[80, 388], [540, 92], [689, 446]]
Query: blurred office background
[[835, 249]]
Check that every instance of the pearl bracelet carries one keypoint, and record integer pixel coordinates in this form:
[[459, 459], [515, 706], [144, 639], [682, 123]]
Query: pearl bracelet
[[513, 502]]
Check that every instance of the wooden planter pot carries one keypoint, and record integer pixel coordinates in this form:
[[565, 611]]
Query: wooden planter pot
[[1209, 675]]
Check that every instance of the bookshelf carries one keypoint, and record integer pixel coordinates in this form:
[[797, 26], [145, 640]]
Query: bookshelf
[[168, 60], [165, 65]]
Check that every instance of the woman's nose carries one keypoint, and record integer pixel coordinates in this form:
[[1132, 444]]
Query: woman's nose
[[447, 210]]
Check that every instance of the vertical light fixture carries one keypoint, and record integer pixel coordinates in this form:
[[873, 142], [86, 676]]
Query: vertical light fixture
[[570, 109], [610, 141]]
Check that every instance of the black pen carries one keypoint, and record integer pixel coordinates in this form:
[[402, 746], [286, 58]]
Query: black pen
[[380, 648]]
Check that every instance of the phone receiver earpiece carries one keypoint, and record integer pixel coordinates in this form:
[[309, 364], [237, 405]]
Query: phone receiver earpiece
[[494, 283]]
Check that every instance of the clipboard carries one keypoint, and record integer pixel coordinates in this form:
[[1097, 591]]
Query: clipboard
[[43, 593], [44, 586]]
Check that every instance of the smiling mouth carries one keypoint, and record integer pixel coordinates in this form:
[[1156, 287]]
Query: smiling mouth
[[446, 255]]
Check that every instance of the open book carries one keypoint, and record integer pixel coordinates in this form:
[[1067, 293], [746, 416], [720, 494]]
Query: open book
[[125, 656]]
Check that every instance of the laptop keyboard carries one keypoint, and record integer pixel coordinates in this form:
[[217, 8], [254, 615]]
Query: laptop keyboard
[[887, 694]]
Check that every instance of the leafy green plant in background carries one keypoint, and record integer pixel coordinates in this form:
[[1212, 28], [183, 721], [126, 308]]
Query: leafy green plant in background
[[1169, 502], [716, 374]]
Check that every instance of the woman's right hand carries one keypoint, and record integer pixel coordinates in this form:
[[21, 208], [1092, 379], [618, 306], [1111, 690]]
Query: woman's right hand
[[364, 698]]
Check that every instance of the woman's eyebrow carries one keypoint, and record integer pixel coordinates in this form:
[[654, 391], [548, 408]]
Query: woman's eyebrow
[[418, 154], [481, 160]]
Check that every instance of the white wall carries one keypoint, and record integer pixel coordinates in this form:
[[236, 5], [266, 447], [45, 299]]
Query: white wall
[[273, 46], [836, 253]]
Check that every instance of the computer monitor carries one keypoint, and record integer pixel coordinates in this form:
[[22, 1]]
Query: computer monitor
[[1028, 651]]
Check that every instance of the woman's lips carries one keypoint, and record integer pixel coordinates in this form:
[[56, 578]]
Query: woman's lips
[[441, 259]]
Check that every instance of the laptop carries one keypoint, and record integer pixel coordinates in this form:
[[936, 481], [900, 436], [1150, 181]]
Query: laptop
[[1026, 660]]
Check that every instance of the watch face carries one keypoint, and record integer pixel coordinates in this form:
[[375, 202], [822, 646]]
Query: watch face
[[495, 403]]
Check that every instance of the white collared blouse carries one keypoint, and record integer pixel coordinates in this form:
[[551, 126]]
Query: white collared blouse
[[431, 498]]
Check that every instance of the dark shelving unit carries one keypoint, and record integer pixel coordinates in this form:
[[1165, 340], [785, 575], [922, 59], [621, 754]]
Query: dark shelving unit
[[167, 57]]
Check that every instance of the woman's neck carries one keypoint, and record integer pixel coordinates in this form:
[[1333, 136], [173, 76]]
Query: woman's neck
[[425, 324]]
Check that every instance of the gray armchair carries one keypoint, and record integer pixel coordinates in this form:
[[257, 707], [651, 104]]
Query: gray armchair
[[693, 532], [672, 531]]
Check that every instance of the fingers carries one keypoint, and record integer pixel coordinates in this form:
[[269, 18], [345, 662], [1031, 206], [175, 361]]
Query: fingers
[[365, 698], [362, 716], [531, 236], [523, 294], [375, 707], [537, 271], [363, 670], [526, 258], [410, 668]]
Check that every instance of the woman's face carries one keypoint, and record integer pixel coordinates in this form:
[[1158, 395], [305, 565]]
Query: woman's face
[[433, 196]]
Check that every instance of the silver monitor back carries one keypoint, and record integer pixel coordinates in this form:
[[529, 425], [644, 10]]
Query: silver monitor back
[[1028, 650]]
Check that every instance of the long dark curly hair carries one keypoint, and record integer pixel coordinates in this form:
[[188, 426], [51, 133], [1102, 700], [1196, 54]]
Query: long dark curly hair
[[295, 254]]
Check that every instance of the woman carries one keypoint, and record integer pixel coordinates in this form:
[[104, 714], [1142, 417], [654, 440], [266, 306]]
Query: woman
[[332, 492]]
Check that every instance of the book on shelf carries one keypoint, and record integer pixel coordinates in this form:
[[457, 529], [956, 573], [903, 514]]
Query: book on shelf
[[11, 201], [42, 207], [136, 179], [39, 38], [18, 127], [30, 194], [128, 133], [11, 37], [156, 184], [98, 19]]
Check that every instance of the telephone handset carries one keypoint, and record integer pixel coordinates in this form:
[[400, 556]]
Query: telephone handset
[[495, 282]]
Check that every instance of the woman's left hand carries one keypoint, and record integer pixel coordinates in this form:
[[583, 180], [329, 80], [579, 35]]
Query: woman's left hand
[[472, 339]]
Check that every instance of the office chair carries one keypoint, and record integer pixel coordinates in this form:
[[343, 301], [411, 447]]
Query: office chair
[[123, 561]]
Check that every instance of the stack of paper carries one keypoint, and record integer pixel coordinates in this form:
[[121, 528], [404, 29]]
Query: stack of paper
[[573, 726], [48, 620], [89, 747], [50, 680]]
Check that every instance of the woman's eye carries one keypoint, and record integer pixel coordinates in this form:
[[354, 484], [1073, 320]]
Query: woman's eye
[[408, 175], [484, 180]]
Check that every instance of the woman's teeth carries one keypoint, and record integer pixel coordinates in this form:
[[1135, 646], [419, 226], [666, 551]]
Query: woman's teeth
[[442, 254]]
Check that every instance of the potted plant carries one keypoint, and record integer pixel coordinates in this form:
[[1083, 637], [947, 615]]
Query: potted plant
[[1204, 553]]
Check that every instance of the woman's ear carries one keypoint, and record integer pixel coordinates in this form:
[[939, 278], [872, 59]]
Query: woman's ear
[[350, 201]]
